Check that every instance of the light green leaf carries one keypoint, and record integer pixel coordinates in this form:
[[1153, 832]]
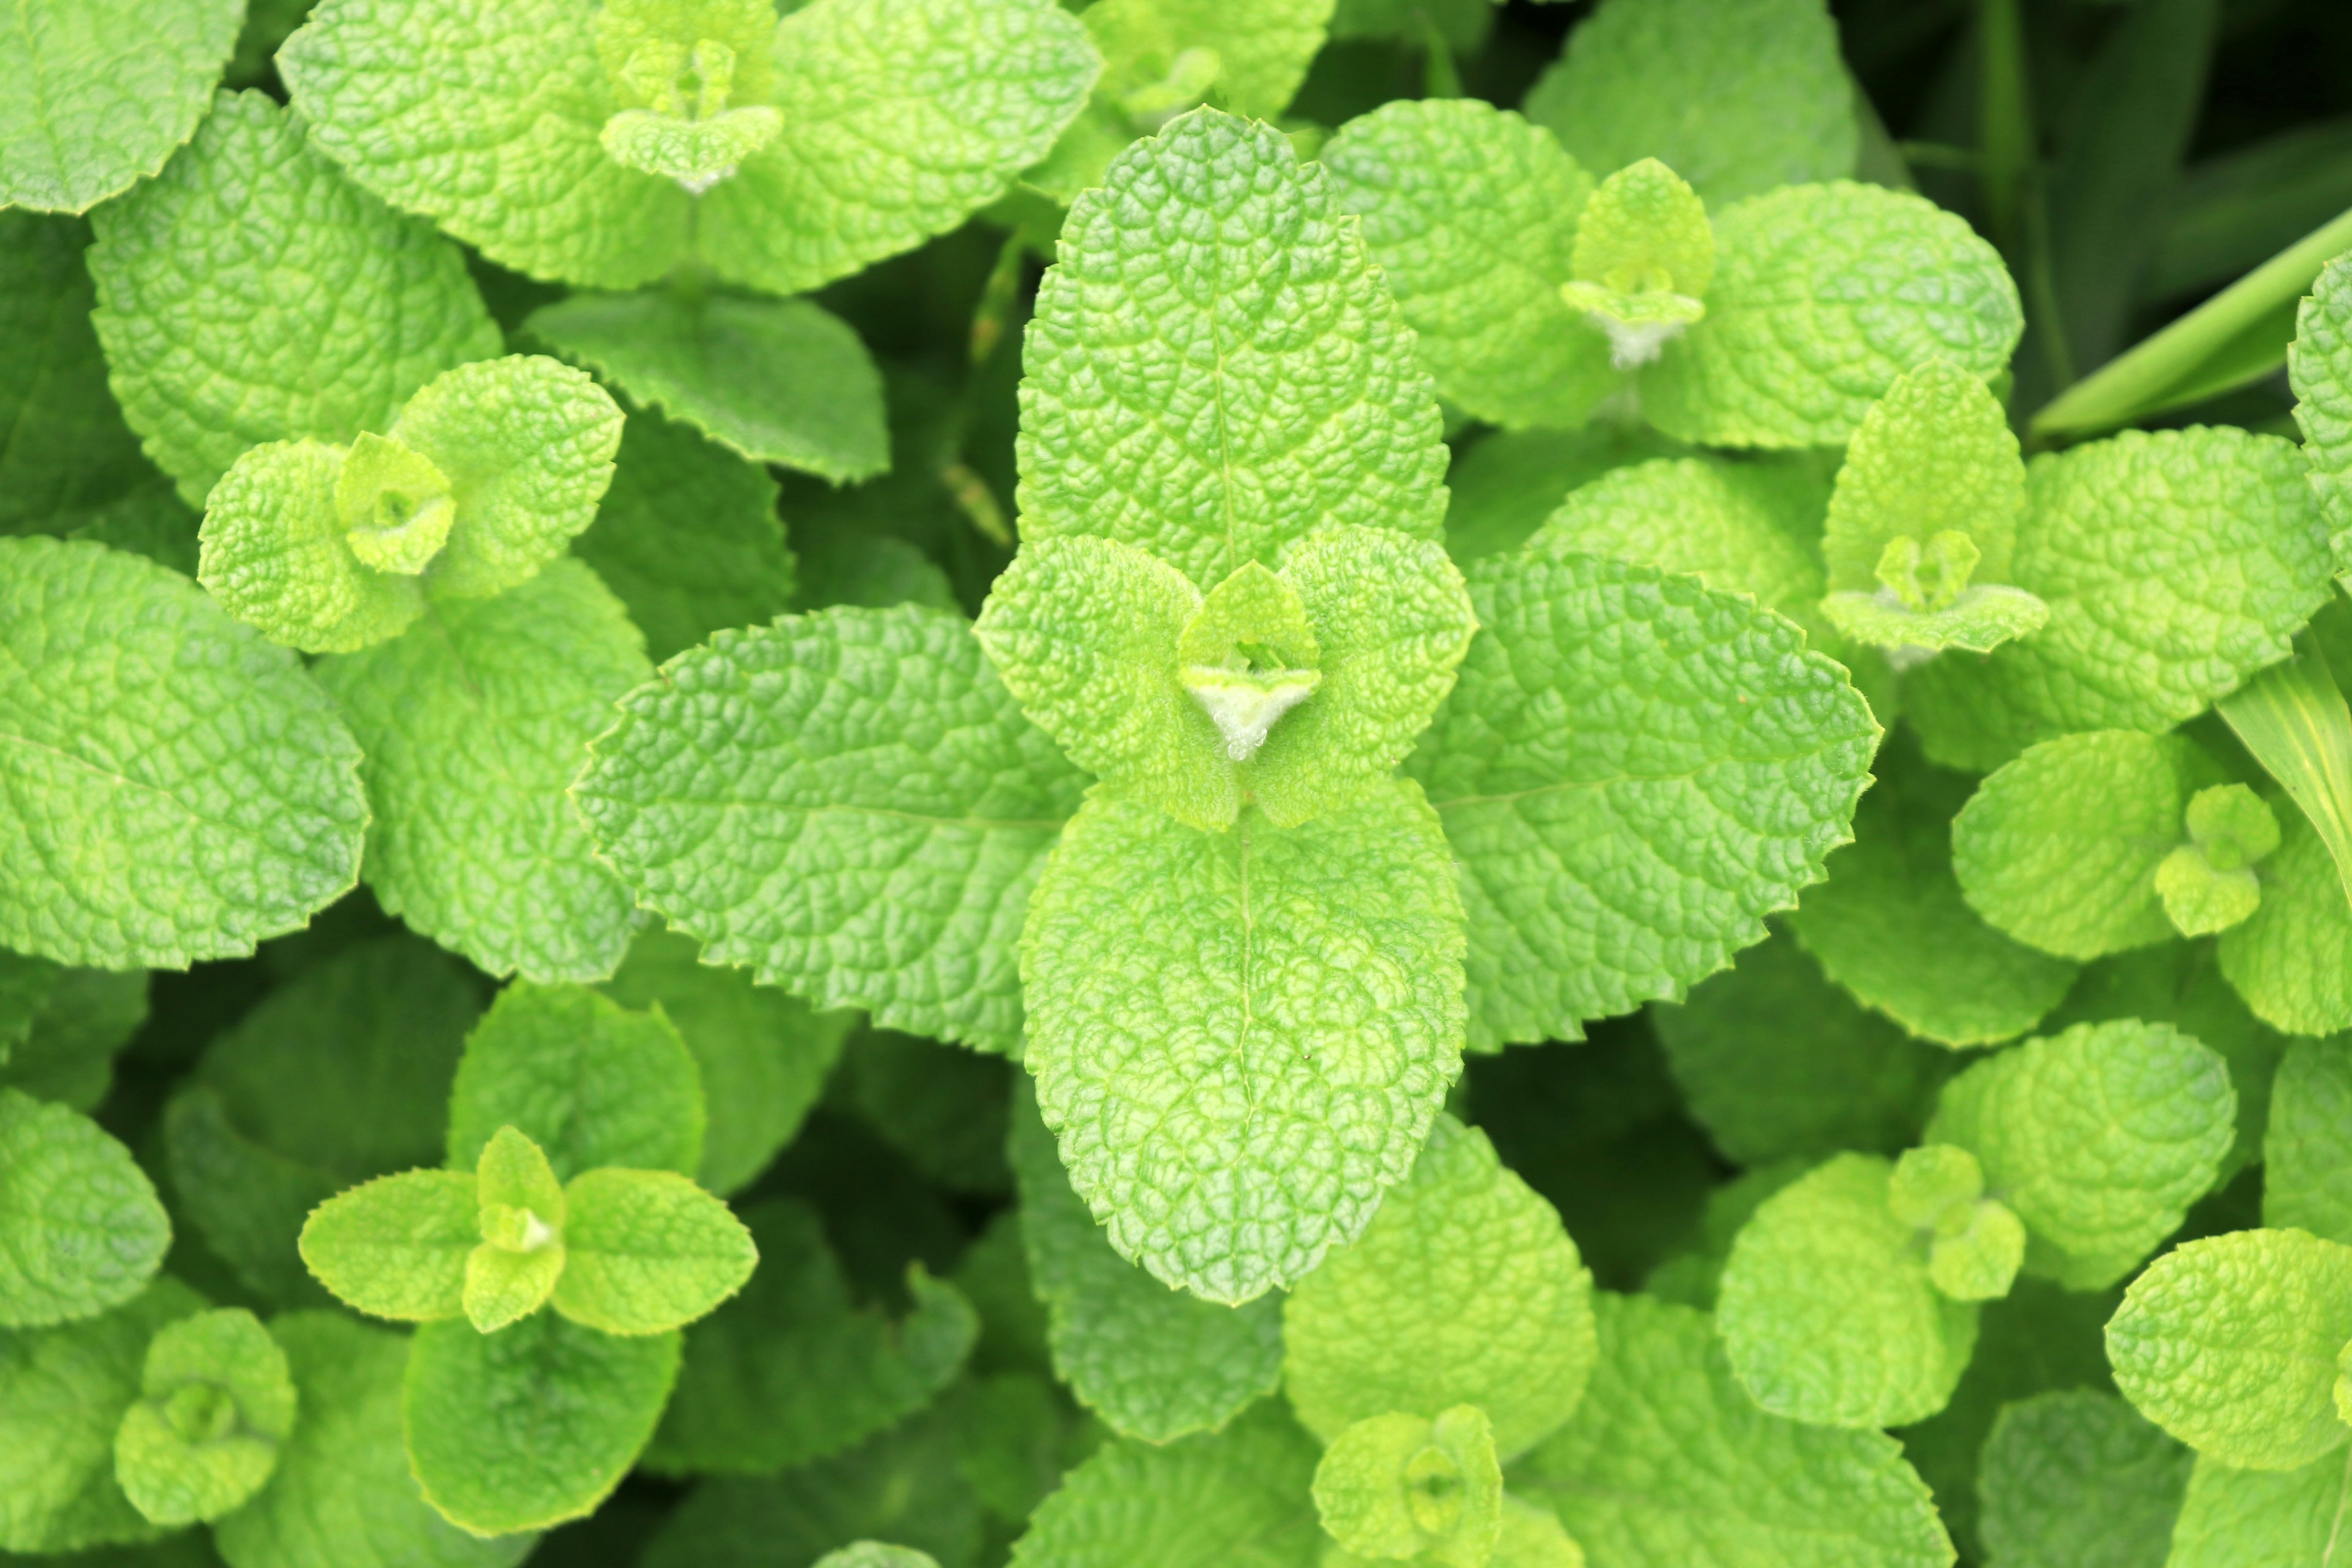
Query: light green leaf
[[2175, 564], [2291, 959], [1826, 1308], [876, 1555], [1216, 367], [1977, 620], [1258, 54], [2319, 367], [474, 722], [1708, 764], [2306, 1183], [1406, 1485], [279, 556], [63, 1392], [84, 1229], [649, 1251], [396, 1246], [779, 381], [2229, 1344], [2074, 1480], [1286, 995], [1738, 96], [1669, 1463], [1879, 282], [1644, 255], [1471, 214], [1890, 925], [533, 1425], [522, 1223], [214, 349], [862, 831], [1153, 1362], [1238, 1497], [342, 1496], [238, 830], [94, 97], [1463, 1290], [1725, 523], [1503, 485], [1777, 1063], [2208, 884], [2263, 1519], [216, 1402], [70, 450], [688, 537], [586, 1079], [1934, 453], [1975, 1244]]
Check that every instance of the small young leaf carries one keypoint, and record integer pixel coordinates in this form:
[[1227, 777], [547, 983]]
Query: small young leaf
[[521, 1220], [1644, 255], [216, 1401], [1934, 454], [649, 1251], [2208, 885], [1407, 1486], [396, 1246], [278, 556]]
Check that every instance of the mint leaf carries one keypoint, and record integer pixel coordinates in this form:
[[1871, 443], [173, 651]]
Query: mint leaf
[[279, 556], [1503, 485], [533, 1425], [95, 97], [2229, 1344], [882, 754], [2305, 1184], [211, 352], [68, 448], [1817, 305], [779, 381], [2074, 1478], [1405, 1486], [198, 850], [1216, 367], [1256, 56], [246, 1201], [2319, 366], [85, 1231], [1729, 525], [647, 1251], [1471, 214], [2233, 1518], [66, 1055], [586, 1079], [1154, 1363], [1463, 1290], [2292, 958], [1283, 984], [1711, 762], [216, 1402], [876, 1555], [474, 722], [523, 1219], [396, 1246], [1668, 1462], [1736, 99], [1826, 1308]]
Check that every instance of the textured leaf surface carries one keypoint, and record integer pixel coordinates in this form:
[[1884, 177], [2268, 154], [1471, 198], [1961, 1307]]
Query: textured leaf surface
[[1463, 1290], [1736, 96], [1822, 295], [1216, 367], [1826, 1310], [474, 722], [2075, 1479], [1201, 1100], [84, 1229], [2229, 1344], [847, 803], [212, 351], [2263, 1519], [2307, 1182], [216, 1401], [647, 1251], [2319, 366], [276, 556], [176, 789], [1153, 1362], [67, 447], [396, 1246], [1669, 1463], [1725, 524], [1502, 485], [1261, 51], [1471, 214], [1633, 770], [2291, 959], [94, 96], [1934, 453]]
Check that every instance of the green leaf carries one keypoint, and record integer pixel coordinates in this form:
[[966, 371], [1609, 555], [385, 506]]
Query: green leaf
[[96, 97], [533, 1425], [792, 1370], [1216, 367], [688, 538], [1258, 54], [474, 722], [84, 1017], [586, 1079], [2074, 1480], [85, 1231], [1725, 523], [2291, 959], [522, 1221], [1196, 1105], [876, 1555], [2208, 884], [1471, 214], [342, 1477], [2175, 564], [214, 349], [1736, 99], [1463, 1290], [1238, 1497], [2262, 1518], [1826, 1308], [1823, 296], [279, 557], [1405, 1486], [240, 830], [2319, 367], [396, 1246], [70, 450], [216, 1402], [1668, 1463], [1777, 1063], [863, 832], [1709, 764], [1892, 928], [2293, 720], [2307, 1185], [649, 1251], [1153, 1362], [779, 381], [2229, 1344], [2061, 847], [246, 1202], [63, 1392], [1505, 484]]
